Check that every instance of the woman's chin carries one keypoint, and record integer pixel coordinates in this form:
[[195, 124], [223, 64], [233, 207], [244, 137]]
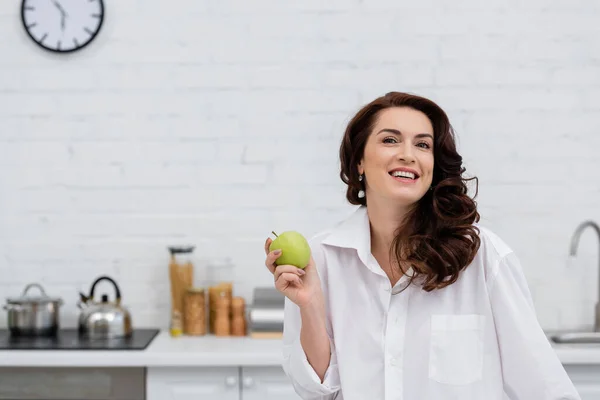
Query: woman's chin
[[408, 196]]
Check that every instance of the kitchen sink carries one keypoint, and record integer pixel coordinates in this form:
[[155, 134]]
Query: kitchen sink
[[576, 338], [582, 337]]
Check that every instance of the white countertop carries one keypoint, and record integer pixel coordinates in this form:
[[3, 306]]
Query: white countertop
[[165, 351], [578, 354]]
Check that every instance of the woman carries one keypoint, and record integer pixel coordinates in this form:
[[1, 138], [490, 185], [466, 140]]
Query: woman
[[409, 297]]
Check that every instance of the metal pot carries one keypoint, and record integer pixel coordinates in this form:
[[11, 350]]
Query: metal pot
[[104, 319], [33, 316]]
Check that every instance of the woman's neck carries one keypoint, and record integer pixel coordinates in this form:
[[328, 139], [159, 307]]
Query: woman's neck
[[384, 222]]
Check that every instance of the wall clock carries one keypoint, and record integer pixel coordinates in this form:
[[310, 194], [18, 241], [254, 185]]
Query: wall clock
[[62, 26]]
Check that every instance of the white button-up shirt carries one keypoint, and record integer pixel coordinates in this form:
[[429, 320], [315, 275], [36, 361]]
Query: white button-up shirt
[[478, 338]]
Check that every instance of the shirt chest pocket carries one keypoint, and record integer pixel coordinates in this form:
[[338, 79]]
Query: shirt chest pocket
[[456, 348]]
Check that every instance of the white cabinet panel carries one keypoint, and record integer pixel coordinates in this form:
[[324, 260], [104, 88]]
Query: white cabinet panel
[[204, 383], [586, 379], [588, 391], [266, 383]]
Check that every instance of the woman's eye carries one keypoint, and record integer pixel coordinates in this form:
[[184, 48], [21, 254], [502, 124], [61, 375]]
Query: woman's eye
[[424, 145], [390, 139]]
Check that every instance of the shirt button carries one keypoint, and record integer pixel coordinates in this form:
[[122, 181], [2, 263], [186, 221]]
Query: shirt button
[[394, 362]]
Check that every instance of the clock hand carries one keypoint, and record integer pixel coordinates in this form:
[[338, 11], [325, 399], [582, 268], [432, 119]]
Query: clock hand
[[60, 8]]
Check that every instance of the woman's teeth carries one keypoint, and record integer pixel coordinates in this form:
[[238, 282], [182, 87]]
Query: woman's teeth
[[403, 174]]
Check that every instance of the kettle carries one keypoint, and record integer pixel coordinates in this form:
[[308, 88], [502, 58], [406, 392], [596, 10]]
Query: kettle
[[104, 319]]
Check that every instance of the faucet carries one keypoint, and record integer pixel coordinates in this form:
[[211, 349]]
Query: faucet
[[573, 251]]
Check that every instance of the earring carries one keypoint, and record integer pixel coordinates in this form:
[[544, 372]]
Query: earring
[[361, 193]]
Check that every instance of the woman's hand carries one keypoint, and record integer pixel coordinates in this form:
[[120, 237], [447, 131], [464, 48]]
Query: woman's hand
[[301, 286]]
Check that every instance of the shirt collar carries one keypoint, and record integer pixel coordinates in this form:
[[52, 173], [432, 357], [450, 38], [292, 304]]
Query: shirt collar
[[354, 232]]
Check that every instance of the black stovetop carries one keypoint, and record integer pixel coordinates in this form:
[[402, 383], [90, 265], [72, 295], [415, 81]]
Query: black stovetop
[[69, 339]]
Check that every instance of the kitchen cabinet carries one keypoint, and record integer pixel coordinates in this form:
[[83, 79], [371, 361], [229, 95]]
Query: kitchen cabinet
[[589, 391], [266, 383], [232, 382], [193, 383], [271, 383], [586, 379], [72, 383], [219, 383]]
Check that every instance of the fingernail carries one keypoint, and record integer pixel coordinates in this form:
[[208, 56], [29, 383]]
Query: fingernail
[[301, 272], [277, 252]]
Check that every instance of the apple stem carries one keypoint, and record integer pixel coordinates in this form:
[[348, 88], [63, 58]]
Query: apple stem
[[274, 234]]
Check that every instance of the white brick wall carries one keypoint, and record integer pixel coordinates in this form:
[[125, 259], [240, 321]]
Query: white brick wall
[[214, 123]]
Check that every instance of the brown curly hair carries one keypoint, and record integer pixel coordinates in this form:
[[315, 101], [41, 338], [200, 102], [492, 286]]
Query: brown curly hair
[[438, 238]]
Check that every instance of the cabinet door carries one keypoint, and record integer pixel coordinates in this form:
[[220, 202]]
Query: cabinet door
[[586, 379], [72, 383], [589, 391], [266, 383], [193, 383]]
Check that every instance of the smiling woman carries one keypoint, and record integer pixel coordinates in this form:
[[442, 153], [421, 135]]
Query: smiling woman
[[400, 152], [410, 297]]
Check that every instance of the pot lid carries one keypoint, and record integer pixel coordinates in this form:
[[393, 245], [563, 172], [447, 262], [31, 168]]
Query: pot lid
[[26, 298]]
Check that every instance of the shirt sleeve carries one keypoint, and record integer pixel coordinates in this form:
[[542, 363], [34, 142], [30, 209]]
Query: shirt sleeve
[[531, 369], [305, 380]]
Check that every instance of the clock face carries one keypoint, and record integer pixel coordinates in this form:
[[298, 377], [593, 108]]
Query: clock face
[[62, 26]]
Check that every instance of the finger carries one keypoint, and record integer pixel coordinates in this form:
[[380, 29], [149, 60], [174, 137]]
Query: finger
[[310, 266], [270, 260], [288, 279], [272, 256], [267, 244], [287, 269]]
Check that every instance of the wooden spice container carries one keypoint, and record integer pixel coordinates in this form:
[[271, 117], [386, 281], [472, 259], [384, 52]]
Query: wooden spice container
[[223, 289], [238, 316], [222, 324]]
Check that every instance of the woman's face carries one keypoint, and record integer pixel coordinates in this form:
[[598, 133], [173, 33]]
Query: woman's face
[[398, 156]]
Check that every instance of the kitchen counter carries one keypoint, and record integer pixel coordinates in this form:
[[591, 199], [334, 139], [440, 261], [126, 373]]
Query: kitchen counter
[[570, 354], [165, 351]]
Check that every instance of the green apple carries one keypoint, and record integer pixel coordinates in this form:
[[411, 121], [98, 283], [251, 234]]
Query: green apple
[[294, 249]]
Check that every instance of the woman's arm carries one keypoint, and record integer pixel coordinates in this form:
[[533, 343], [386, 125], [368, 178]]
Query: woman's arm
[[530, 367], [314, 338], [308, 344]]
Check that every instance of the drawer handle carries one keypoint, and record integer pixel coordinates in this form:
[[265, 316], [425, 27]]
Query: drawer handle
[[230, 381], [248, 382]]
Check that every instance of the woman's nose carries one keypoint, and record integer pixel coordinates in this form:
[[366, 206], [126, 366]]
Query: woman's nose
[[405, 152]]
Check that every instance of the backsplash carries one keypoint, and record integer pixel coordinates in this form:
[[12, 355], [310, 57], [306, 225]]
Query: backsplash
[[215, 123]]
